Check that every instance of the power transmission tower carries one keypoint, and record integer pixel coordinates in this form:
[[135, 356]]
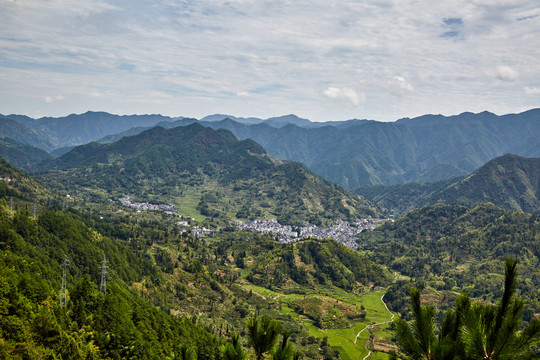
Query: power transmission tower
[[34, 211], [63, 297], [103, 285], [11, 206]]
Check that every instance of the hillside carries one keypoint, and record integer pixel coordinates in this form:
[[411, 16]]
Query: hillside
[[350, 153], [18, 185], [14, 130], [449, 249], [427, 148], [21, 155], [206, 171], [510, 181], [166, 288]]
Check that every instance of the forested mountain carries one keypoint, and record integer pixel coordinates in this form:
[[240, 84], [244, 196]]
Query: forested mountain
[[510, 181], [350, 153], [14, 130], [424, 149], [17, 184], [428, 148], [21, 155], [93, 325], [449, 249], [201, 291], [226, 177]]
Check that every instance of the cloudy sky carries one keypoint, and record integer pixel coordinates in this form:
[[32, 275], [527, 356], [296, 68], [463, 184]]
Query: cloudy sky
[[319, 59]]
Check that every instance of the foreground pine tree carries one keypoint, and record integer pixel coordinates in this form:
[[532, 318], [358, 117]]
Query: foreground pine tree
[[471, 330]]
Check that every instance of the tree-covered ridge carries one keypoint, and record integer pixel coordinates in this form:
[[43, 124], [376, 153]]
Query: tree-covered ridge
[[510, 181], [447, 249], [228, 178], [427, 148], [15, 183], [21, 155], [118, 324]]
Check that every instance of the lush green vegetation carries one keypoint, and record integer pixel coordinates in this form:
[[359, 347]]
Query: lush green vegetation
[[21, 155], [119, 324], [445, 250], [509, 181], [206, 173], [471, 330], [424, 149]]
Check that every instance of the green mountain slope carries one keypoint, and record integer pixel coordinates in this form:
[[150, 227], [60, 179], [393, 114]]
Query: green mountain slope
[[119, 324], [211, 287], [17, 184], [21, 155], [12, 129], [449, 249], [510, 181], [211, 170], [350, 153]]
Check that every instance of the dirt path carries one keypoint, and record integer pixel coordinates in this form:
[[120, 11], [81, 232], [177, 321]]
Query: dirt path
[[372, 325]]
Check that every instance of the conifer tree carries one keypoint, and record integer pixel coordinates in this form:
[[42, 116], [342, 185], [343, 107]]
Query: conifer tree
[[471, 330], [262, 335]]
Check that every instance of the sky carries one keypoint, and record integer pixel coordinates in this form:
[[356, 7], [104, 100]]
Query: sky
[[321, 60]]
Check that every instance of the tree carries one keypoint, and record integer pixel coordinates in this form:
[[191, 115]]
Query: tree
[[187, 353], [285, 350], [233, 350], [492, 331], [262, 335], [471, 330]]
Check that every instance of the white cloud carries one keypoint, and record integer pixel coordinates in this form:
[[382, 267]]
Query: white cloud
[[506, 73], [50, 99], [399, 86], [347, 94], [243, 94], [531, 90]]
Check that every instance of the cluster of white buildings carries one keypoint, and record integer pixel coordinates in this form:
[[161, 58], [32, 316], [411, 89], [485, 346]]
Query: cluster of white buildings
[[284, 232], [343, 232], [197, 232], [126, 201]]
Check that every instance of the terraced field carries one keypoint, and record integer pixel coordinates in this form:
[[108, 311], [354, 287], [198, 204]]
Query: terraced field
[[369, 338]]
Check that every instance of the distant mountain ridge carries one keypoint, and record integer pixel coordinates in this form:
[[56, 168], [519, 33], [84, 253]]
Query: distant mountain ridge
[[509, 181], [355, 152], [424, 149]]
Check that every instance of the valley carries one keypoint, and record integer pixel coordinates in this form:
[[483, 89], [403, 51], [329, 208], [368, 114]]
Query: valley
[[203, 232]]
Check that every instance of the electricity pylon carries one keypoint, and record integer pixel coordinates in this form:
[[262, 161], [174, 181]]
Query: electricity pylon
[[63, 297], [103, 285]]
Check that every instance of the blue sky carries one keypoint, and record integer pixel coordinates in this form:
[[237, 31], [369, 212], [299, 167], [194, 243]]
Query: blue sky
[[322, 60]]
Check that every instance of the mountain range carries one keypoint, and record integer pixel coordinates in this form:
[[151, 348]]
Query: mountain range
[[350, 153]]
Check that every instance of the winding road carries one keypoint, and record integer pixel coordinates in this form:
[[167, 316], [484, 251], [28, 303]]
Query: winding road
[[372, 325]]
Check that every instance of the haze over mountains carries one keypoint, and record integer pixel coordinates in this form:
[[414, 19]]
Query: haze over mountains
[[350, 153]]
